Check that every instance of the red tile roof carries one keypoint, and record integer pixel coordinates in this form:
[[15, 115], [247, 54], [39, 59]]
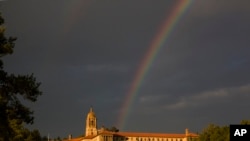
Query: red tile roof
[[138, 134], [74, 139], [158, 135], [89, 137]]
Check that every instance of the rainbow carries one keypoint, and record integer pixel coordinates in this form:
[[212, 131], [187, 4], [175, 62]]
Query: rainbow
[[157, 43]]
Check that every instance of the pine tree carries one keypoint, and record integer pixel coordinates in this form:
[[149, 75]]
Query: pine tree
[[13, 114]]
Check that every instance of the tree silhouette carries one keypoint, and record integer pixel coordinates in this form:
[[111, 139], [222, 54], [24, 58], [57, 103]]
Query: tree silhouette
[[13, 114]]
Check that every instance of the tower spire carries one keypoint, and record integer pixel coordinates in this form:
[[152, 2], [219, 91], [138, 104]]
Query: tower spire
[[91, 123], [91, 109]]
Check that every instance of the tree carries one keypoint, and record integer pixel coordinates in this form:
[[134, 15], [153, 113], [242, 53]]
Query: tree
[[58, 139], [215, 133], [14, 89], [44, 138], [114, 129], [34, 136], [218, 133], [245, 122]]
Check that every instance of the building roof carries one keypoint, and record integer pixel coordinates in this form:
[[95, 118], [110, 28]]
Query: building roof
[[158, 135], [137, 134], [74, 139], [161, 135], [89, 137]]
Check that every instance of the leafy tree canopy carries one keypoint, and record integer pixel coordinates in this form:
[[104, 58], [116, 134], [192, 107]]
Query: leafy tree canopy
[[13, 114], [215, 133], [245, 122], [112, 129], [218, 133]]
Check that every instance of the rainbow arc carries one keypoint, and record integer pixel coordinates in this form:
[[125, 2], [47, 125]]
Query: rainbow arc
[[157, 43]]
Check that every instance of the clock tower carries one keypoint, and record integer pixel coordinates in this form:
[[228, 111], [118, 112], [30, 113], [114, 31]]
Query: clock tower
[[91, 126]]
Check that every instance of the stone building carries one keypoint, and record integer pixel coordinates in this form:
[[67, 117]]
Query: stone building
[[93, 134]]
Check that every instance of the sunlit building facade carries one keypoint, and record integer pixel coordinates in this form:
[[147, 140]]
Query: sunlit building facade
[[93, 134]]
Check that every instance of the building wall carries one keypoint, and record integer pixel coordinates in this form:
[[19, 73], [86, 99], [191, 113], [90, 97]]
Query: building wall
[[101, 135], [108, 137], [105, 137]]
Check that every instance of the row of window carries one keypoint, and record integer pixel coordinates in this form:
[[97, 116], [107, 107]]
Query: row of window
[[157, 139], [105, 138]]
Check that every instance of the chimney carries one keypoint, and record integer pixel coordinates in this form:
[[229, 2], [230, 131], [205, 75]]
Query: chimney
[[70, 136], [186, 131]]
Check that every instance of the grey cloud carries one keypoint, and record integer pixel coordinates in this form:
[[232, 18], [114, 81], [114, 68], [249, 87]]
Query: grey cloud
[[107, 67], [207, 97], [88, 52]]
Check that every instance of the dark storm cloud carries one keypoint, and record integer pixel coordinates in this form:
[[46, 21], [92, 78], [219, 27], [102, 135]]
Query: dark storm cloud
[[87, 53]]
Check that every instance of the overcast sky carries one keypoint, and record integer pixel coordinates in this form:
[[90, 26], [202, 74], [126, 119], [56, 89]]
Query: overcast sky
[[86, 53]]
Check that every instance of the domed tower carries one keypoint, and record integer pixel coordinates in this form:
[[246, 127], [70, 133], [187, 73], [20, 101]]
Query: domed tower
[[91, 126]]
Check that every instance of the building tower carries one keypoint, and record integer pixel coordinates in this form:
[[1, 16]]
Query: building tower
[[91, 126]]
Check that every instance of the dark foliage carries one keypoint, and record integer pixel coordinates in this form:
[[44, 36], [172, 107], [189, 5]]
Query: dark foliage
[[13, 90]]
